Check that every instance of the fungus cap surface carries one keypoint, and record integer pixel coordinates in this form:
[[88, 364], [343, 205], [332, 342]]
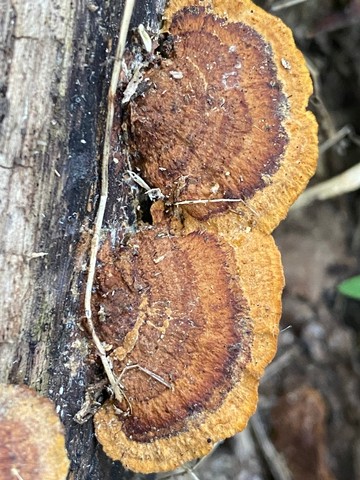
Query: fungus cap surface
[[200, 313], [225, 115], [32, 443]]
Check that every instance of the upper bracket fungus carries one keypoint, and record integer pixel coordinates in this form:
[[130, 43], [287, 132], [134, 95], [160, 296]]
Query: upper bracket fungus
[[231, 126], [188, 308], [32, 443]]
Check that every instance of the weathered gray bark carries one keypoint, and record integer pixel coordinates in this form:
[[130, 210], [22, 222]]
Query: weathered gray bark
[[54, 72]]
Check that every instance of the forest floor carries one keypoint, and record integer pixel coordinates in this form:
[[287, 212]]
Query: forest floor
[[308, 421]]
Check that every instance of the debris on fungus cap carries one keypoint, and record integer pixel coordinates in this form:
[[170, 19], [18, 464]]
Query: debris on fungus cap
[[32, 443], [200, 316], [226, 116]]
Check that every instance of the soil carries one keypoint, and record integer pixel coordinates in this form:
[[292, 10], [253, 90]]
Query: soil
[[308, 421]]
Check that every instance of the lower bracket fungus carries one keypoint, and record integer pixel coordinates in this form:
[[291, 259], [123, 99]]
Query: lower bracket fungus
[[199, 317], [32, 443]]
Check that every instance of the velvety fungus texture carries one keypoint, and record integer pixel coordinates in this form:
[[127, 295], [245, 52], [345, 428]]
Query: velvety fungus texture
[[200, 313], [32, 443], [225, 115]]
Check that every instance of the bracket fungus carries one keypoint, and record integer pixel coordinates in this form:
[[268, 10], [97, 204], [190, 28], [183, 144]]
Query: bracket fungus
[[32, 443], [189, 307], [234, 125], [193, 322]]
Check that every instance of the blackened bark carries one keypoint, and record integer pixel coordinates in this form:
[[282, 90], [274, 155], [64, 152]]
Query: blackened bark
[[55, 64]]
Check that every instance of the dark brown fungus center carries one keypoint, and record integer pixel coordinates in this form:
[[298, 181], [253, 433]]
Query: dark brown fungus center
[[174, 306], [210, 127]]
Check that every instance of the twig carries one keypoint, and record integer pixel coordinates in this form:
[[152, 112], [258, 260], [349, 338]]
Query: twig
[[187, 469], [148, 372], [124, 27], [192, 474], [289, 327], [186, 472], [334, 139], [346, 182], [171, 475], [140, 181], [280, 363], [210, 200], [281, 4], [277, 466], [246, 452], [14, 471], [153, 193], [216, 200]]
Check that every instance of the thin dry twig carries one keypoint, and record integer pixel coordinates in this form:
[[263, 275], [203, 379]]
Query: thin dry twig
[[281, 4], [16, 474], [176, 474], [204, 201], [187, 470], [153, 193], [192, 474], [276, 463], [148, 372], [246, 452], [335, 138], [346, 182], [210, 200], [124, 28], [280, 363]]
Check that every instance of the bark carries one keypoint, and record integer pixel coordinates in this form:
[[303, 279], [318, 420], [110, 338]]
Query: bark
[[55, 63]]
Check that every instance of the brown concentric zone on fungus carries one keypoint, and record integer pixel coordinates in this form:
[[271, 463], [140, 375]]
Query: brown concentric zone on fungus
[[233, 124], [32, 443], [183, 318], [184, 307]]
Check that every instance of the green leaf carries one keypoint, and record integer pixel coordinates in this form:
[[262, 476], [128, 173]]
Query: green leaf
[[350, 287]]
